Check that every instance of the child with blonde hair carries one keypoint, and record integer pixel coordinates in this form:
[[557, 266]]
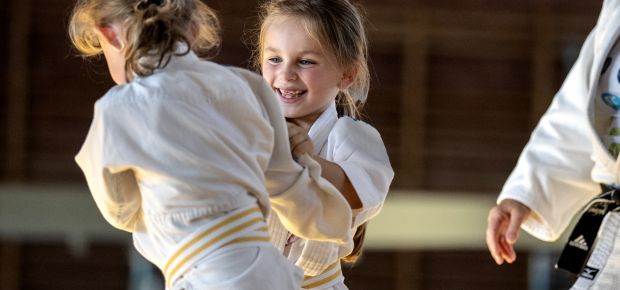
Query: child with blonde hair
[[313, 54], [186, 154]]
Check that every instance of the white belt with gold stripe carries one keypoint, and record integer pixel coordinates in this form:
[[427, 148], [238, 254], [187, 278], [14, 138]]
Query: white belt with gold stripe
[[331, 276], [244, 225]]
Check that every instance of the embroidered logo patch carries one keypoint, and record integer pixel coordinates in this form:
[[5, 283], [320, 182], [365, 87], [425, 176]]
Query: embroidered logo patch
[[580, 243], [589, 273], [598, 209]]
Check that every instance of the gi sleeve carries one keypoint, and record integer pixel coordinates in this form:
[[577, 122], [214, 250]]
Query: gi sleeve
[[103, 158], [360, 152], [552, 175]]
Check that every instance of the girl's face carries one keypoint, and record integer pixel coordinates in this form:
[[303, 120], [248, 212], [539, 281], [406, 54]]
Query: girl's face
[[305, 77], [112, 46]]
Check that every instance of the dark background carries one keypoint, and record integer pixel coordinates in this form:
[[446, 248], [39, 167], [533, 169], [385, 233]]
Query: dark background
[[457, 86]]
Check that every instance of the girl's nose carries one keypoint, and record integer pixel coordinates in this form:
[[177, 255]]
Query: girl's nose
[[291, 77], [289, 73]]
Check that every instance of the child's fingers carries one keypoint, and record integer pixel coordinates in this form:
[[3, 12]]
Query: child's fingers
[[514, 227], [298, 139], [493, 246], [302, 147], [507, 252], [293, 129], [299, 150], [493, 235]]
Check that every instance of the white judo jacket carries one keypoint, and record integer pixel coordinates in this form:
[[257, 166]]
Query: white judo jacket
[[561, 167], [359, 150], [194, 140]]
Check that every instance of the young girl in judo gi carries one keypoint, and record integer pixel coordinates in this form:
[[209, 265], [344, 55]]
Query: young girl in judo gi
[[187, 154], [313, 54], [571, 153]]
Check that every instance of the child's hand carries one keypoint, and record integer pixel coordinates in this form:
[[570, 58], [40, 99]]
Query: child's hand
[[300, 141], [503, 227]]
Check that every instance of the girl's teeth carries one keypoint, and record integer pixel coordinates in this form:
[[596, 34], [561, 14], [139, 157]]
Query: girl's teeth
[[290, 94]]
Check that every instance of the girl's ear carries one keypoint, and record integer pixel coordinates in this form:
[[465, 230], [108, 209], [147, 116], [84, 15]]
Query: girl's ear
[[348, 77], [111, 35]]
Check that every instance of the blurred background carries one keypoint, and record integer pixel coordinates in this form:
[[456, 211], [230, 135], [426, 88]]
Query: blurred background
[[457, 86]]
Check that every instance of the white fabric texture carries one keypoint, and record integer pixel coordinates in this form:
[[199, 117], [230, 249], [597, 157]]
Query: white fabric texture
[[167, 152]]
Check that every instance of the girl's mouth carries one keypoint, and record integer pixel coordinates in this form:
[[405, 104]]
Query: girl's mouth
[[290, 96]]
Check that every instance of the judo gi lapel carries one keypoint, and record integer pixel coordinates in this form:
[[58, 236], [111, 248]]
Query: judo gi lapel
[[322, 127], [607, 32]]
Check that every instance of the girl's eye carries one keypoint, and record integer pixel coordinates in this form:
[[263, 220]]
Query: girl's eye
[[274, 60], [306, 62]]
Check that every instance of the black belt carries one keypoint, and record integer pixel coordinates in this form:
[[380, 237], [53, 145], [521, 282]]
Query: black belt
[[582, 239]]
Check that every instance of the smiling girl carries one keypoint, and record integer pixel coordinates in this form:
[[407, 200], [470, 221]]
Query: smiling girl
[[313, 54]]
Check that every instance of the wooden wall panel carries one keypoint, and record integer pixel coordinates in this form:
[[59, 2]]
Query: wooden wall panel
[[479, 98], [478, 60], [482, 5], [477, 80], [477, 118], [4, 18], [374, 271], [54, 267], [577, 7], [237, 18], [62, 94], [386, 63], [446, 270], [454, 270]]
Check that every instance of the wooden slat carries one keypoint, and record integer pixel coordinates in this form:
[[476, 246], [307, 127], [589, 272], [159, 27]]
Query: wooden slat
[[4, 27], [385, 95], [10, 265], [471, 270], [414, 100], [482, 5], [17, 91], [576, 6], [408, 271], [375, 270], [543, 61], [54, 267]]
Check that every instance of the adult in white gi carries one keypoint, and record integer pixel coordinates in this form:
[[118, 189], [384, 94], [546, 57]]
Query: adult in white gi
[[564, 162]]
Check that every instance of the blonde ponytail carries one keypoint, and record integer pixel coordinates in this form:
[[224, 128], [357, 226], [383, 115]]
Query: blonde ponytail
[[153, 29]]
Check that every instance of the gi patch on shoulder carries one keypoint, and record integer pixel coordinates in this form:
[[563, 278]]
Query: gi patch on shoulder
[[589, 273]]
